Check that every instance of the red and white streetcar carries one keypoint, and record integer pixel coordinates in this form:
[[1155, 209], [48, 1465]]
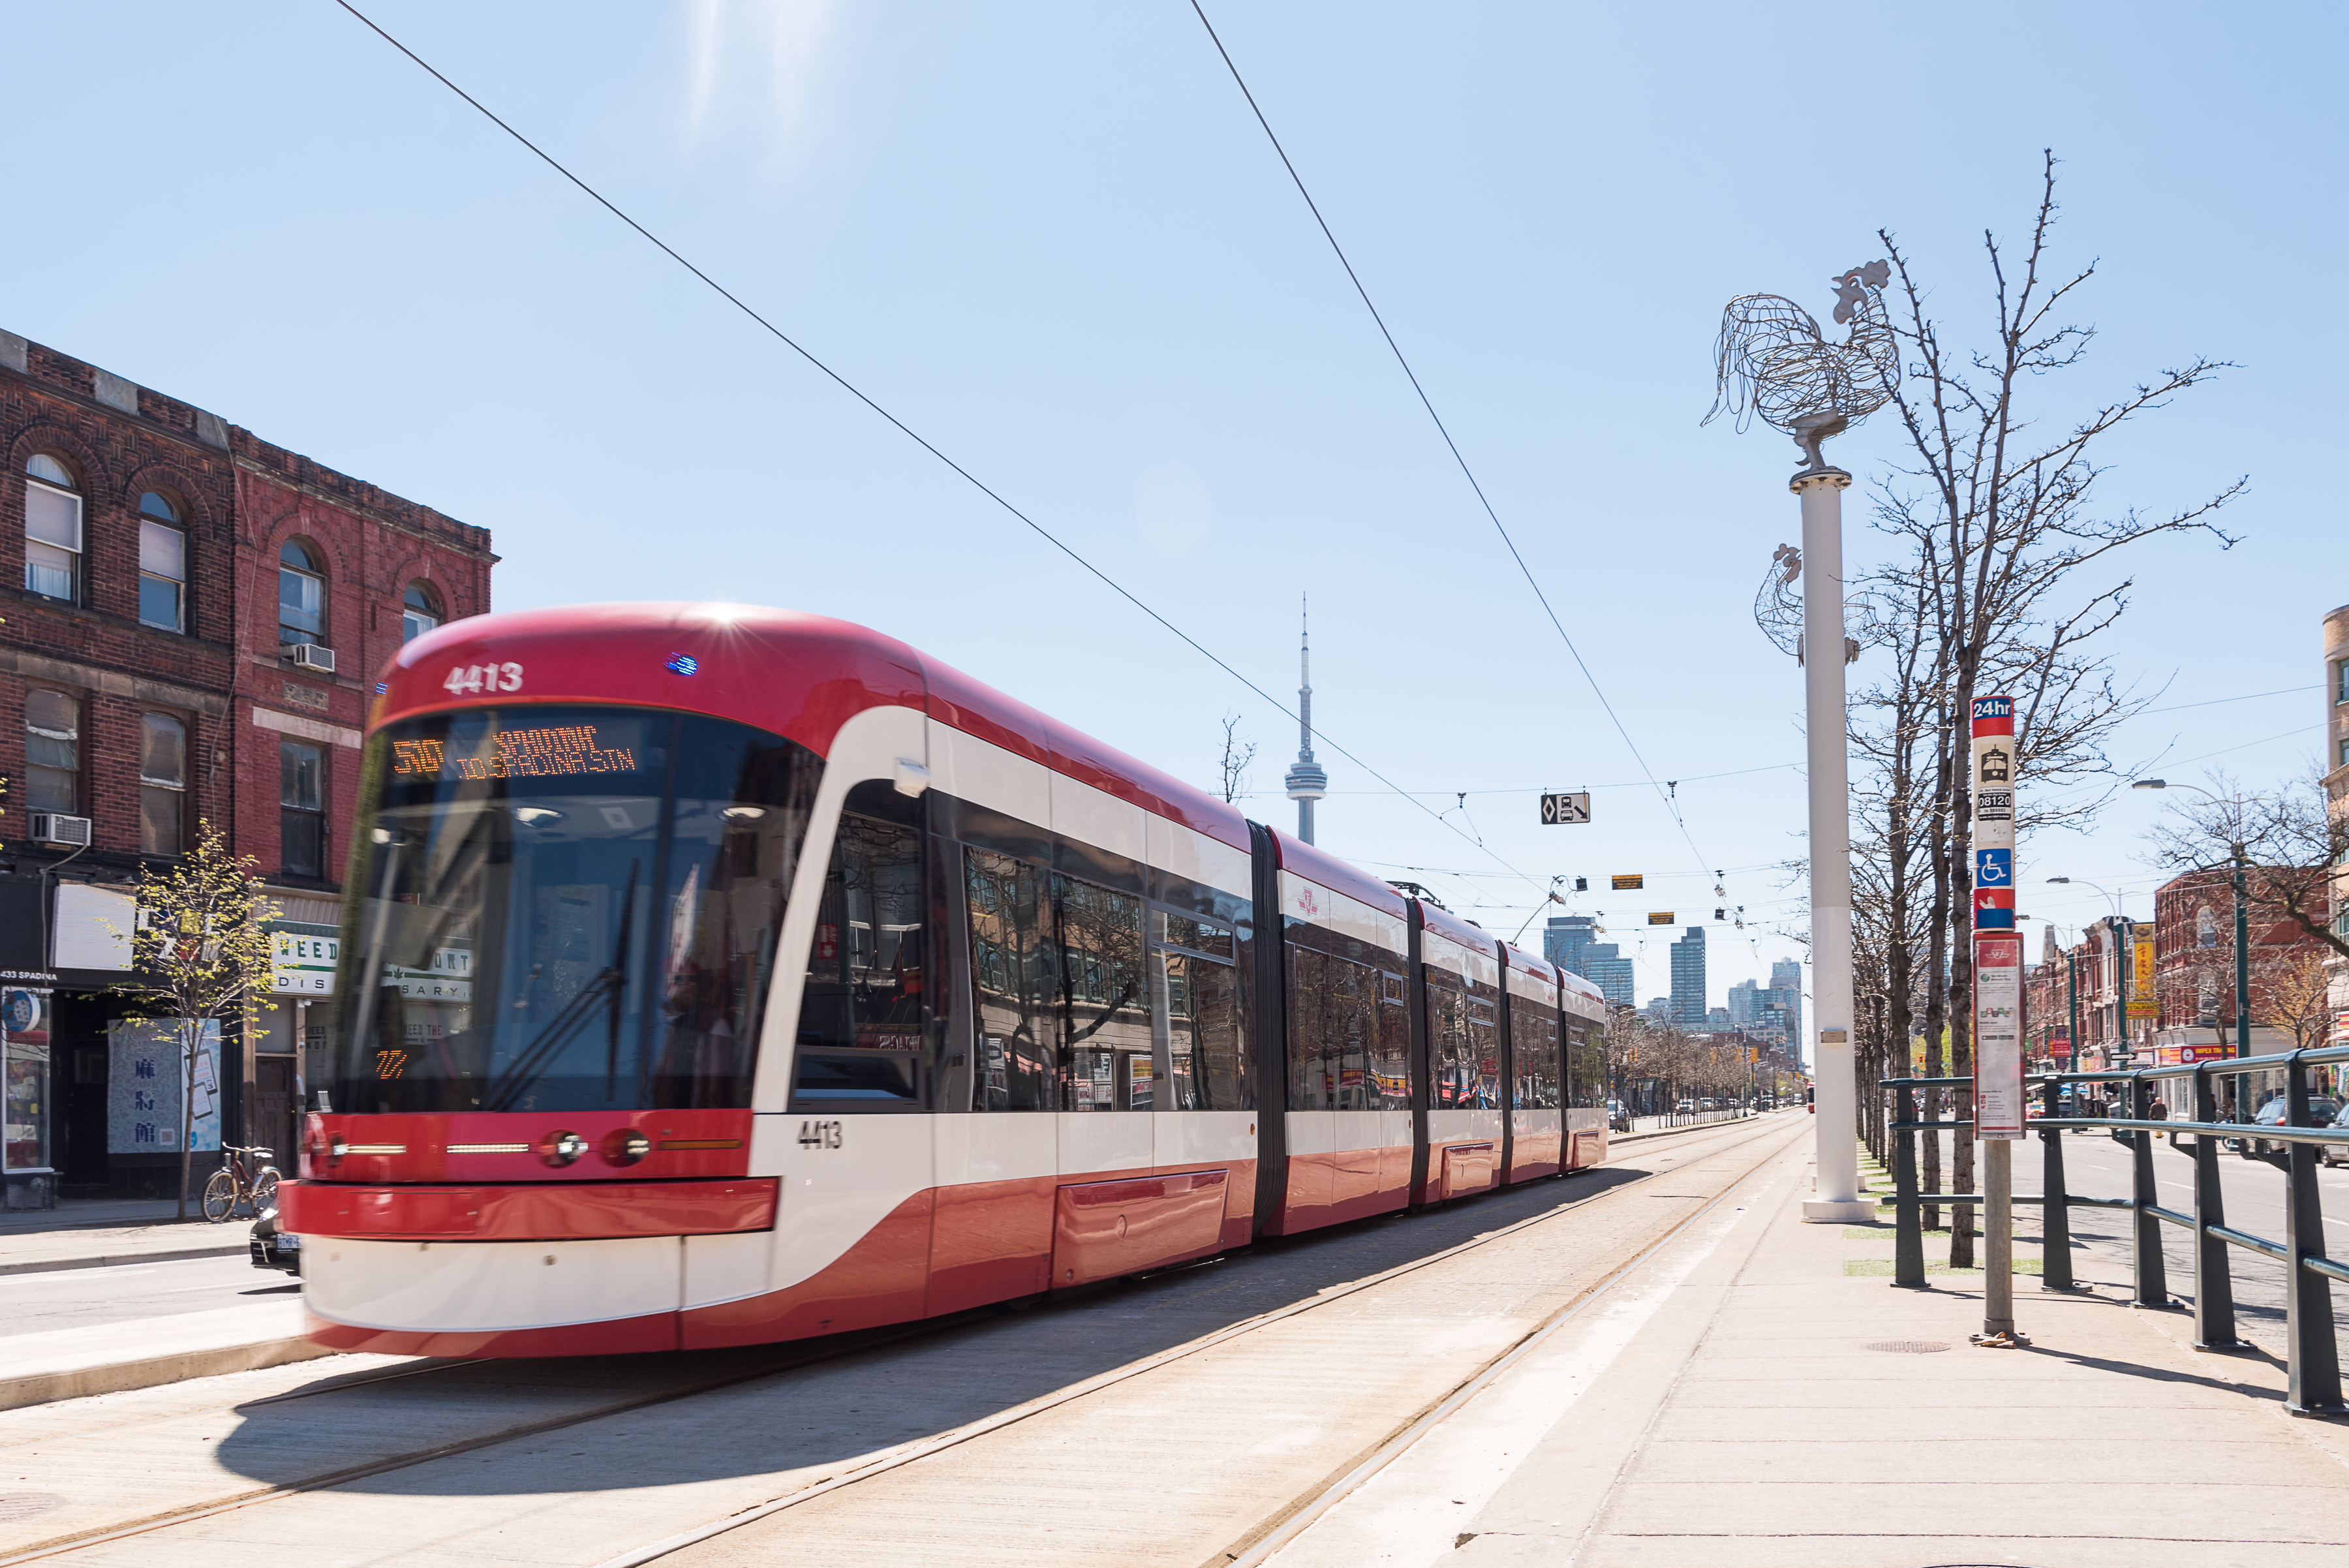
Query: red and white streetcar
[[714, 976]]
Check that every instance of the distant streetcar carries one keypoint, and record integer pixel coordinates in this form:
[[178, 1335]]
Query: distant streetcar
[[715, 976]]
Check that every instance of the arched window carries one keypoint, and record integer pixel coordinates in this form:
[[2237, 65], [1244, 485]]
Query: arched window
[[52, 530], [301, 596], [420, 611], [162, 565], [162, 783]]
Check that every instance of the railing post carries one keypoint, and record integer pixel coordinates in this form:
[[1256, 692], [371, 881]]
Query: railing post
[[2152, 1275], [2214, 1285], [2313, 1377], [1909, 1238], [2056, 1206]]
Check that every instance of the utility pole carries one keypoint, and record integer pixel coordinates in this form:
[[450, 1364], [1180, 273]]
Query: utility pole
[[1999, 1111], [2072, 993], [2243, 962]]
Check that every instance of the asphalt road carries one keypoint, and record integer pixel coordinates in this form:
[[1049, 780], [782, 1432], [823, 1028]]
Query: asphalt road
[[84, 1298]]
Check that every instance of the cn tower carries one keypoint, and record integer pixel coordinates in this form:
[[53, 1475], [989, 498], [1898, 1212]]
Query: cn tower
[[1306, 781]]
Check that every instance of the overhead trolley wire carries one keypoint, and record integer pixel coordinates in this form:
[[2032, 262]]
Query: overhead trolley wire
[[1671, 803], [903, 428]]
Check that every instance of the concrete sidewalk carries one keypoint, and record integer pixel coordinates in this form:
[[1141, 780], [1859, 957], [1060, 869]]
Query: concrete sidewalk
[[32, 1251], [1758, 1394], [72, 1363]]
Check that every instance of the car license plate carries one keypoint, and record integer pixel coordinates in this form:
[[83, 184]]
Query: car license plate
[[290, 1243]]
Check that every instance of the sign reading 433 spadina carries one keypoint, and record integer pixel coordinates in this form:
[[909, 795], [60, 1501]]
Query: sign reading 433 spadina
[[1997, 950]]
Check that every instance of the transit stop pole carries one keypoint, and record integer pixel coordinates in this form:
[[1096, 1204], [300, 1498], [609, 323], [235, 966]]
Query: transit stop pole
[[1998, 1118], [1836, 1199]]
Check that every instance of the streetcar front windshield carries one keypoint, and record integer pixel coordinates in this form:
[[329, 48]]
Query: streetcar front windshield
[[564, 909]]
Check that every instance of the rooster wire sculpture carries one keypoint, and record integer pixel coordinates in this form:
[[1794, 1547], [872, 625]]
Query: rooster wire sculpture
[[1772, 361]]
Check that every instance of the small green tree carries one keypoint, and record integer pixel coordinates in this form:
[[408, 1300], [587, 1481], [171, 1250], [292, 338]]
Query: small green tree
[[199, 951]]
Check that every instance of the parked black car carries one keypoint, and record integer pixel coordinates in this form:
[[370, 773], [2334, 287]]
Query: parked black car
[[273, 1248], [2323, 1111]]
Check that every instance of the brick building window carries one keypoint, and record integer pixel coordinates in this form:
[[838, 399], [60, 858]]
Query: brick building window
[[52, 530], [162, 564], [301, 596], [52, 752], [162, 783], [301, 798], [420, 612]]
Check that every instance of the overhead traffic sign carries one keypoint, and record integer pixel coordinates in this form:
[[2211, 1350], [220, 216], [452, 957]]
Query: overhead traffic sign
[[1565, 807], [1661, 917], [1631, 884]]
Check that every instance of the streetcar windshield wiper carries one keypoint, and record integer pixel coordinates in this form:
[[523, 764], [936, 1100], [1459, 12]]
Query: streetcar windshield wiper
[[610, 982]]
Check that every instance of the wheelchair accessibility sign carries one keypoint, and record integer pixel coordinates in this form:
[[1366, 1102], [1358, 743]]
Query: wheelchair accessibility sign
[[1994, 868]]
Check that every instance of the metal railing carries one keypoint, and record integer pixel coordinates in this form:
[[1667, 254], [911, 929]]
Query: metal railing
[[2313, 1355]]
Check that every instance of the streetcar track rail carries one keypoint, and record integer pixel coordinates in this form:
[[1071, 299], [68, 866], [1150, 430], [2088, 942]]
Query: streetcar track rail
[[906, 1454]]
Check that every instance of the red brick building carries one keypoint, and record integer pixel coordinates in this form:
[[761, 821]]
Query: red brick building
[[192, 618]]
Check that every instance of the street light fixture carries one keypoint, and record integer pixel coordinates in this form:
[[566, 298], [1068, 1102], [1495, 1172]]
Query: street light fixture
[[2243, 915]]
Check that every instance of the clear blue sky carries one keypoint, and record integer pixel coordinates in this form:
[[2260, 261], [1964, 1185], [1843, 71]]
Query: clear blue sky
[[1052, 239]]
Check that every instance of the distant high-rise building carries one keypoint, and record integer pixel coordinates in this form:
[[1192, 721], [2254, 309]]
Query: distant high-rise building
[[1658, 1009], [1568, 942], [1565, 937], [1687, 979], [1745, 1006], [1716, 1018], [1786, 984]]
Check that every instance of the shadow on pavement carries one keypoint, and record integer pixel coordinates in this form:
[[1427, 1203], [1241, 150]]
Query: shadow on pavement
[[785, 1410]]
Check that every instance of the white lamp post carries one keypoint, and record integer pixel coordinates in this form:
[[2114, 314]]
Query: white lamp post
[[1772, 361]]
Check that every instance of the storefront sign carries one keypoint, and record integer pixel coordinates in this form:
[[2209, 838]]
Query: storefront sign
[[302, 957], [147, 1074], [2142, 1001]]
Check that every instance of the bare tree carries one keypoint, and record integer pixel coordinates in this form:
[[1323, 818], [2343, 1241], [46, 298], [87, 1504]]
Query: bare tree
[[1238, 755], [2288, 834], [2004, 544], [2297, 992]]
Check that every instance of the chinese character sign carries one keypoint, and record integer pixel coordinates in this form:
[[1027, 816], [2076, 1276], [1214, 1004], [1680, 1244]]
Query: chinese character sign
[[145, 1078]]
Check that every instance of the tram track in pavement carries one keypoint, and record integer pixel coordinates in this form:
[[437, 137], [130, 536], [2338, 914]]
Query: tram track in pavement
[[777, 1362]]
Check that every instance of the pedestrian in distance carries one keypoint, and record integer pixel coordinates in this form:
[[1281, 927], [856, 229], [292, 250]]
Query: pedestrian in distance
[[2158, 1111]]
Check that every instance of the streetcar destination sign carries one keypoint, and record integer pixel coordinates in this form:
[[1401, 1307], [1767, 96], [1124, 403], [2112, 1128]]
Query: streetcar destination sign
[[1557, 808]]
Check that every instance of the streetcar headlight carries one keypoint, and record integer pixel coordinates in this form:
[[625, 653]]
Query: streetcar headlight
[[625, 1146], [562, 1148]]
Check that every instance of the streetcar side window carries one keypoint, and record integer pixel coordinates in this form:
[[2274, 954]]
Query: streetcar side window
[[1206, 1063], [1392, 1076], [862, 1026], [1586, 1065], [1337, 1047], [1460, 1038], [1533, 1038], [1016, 1027], [1108, 1052]]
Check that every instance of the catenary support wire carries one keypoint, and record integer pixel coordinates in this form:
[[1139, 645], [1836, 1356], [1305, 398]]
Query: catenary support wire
[[908, 431], [1670, 805]]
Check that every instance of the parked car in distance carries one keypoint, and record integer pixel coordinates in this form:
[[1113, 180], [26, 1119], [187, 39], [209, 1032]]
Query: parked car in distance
[[273, 1248], [1685, 1105], [2323, 1111], [2335, 1153]]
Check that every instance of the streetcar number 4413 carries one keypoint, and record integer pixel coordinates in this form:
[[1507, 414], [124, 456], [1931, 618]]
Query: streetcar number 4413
[[466, 679], [819, 1135]]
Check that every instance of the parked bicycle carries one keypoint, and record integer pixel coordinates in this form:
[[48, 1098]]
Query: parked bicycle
[[247, 1179]]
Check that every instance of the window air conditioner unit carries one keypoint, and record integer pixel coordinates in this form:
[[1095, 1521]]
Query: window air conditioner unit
[[311, 655], [56, 827]]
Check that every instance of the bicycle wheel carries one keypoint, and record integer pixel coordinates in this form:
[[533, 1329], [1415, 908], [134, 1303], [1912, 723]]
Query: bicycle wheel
[[219, 1196], [264, 1189]]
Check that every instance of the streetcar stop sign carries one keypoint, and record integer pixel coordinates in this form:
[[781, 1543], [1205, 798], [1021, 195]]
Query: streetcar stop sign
[[1557, 808]]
